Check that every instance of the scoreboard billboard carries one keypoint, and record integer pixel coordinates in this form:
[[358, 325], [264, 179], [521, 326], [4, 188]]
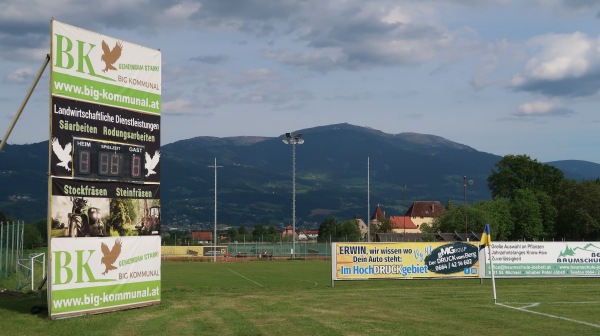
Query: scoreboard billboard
[[104, 181]]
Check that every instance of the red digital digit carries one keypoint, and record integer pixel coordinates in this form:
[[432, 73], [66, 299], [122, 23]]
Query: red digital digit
[[84, 162], [136, 166], [115, 164], [103, 163]]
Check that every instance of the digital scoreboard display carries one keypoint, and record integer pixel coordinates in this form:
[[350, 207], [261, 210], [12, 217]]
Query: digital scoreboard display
[[100, 160]]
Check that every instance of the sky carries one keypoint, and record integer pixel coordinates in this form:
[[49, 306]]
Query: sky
[[501, 76]]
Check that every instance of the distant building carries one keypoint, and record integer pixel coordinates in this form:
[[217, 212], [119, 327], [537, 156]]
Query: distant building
[[378, 216], [202, 237], [288, 232], [312, 234], [422, 212], [403, 224], [419, 213], [427, 237], [364, 229]]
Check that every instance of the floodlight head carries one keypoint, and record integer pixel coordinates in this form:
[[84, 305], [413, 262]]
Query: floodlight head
[[470, 182], [298, 136], [288, 135], [286, 141]]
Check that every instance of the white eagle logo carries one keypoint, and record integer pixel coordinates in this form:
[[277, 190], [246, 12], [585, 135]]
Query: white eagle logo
[[151, 162], [63, 154]]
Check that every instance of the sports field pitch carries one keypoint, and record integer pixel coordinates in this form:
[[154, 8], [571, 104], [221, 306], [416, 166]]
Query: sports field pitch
[[297, 298]]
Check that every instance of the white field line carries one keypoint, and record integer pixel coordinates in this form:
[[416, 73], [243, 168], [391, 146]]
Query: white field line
[[548, 315], [552, 303], [238, 274], [315, 284]]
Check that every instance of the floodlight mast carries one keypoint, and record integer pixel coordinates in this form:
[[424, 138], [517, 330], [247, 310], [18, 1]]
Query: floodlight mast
[[404, 208], [470, 183], [215, 215], [291, 139]]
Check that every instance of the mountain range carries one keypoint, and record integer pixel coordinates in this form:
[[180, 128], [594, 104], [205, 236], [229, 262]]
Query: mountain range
[[341, 170]]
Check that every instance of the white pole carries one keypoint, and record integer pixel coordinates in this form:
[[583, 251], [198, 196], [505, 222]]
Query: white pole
[[32, 272], [492, 271], [1, 239], [293, 140], [368, 199], [215, 215], [294, 200], [215, 231]]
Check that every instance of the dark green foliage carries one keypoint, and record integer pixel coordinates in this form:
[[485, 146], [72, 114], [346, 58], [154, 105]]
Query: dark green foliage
[[259, 232], [232, 234], [123, 212], [454, 220], [579, 211], [4, 218], [531, 187], [527, 215], [497, 213], [515, 172], [385, 226], [350, 231], [332, 230], [328, 230], [42, 227], [32, 237]]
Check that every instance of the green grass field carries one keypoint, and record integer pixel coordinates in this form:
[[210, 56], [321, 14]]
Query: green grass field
[[296, 298]]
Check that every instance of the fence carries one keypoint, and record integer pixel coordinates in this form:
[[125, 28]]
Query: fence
[[255, 250], [11, 247]]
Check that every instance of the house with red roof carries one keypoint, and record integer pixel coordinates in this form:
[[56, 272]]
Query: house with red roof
[[288, 232], [202, 237], [403, 224], [421, 212]]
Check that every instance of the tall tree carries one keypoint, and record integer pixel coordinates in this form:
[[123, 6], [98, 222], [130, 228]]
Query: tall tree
[[527, 215], [232, 234], [350, 231], [453, 220], [531, 186], [259, 232], [328, 230], [32, 237], [42, 226], [496, 213], [515, 172], [242, 232], [578, 211]]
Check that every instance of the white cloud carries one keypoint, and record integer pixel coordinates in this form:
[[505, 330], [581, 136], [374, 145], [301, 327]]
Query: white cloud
[[178, 107], [563, 64], [542, 108], [561, 56], [182, 11], [21, 75], [255, 76]]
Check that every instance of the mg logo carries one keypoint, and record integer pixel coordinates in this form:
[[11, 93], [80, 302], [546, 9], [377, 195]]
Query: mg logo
[[446, 250]]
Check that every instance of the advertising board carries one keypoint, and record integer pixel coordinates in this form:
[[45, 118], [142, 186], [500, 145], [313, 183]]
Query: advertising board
[[104, 213], [356, 261], [543, 259]]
